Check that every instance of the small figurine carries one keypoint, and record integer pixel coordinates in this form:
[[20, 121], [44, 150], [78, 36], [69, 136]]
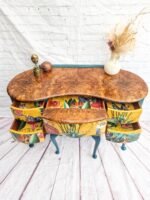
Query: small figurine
[[46, 66], [36, 69]]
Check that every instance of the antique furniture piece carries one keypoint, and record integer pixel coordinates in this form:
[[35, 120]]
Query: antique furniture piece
[[76, 101]]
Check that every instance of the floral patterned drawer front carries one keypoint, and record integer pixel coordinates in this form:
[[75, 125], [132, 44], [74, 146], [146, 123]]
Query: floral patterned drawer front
[[27, 111], [124, 113], [123, 133], [30, 132], [81, 102], [75, 130]]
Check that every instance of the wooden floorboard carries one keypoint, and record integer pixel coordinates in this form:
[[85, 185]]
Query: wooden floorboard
[[138, 173], [39, 174], [119, 179], [94, 183], [42, 181]]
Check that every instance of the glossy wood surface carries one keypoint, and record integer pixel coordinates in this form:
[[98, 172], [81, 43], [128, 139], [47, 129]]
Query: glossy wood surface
[[123, 87], [73, 115]]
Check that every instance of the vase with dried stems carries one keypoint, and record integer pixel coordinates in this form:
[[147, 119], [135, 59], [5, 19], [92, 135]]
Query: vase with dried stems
[[112, 67], [121, 40]]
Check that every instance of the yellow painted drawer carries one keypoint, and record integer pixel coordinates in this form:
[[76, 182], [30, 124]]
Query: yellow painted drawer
[[123, 133], [27, 111], [75, 130], [124, 112], [69, 125], [28, 133]]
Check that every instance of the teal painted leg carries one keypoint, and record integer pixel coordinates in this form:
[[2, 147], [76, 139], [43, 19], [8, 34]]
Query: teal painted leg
[[52, 137], [97, 141], [123, 147]]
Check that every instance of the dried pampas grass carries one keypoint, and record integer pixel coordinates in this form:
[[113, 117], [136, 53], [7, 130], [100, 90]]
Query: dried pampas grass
[[122, 39]]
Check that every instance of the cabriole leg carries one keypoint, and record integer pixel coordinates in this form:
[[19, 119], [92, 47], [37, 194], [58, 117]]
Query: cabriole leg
[[97, 141], [53, 139]]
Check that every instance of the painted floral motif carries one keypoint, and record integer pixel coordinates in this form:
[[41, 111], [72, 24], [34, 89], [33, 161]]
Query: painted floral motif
[[122, 132], [30, 132], [75, 130], [27, 111], [120, 137], [29, 138], [123, 113], [81, 102]]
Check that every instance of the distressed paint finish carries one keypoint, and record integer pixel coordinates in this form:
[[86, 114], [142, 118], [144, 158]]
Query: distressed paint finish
[[123, 87]]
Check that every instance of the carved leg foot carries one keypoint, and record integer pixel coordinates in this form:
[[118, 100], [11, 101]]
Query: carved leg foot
[[97, 141], [53, 139], [123, 147]]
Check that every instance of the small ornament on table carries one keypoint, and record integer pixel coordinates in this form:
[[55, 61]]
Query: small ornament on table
[[46, 66], [36, 69]]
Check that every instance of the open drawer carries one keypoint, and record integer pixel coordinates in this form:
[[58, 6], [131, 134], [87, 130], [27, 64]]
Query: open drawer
[[27, 111], [79, 102], [124, 113], [29, 133], [123, 133], [75, 116], [74, 122]]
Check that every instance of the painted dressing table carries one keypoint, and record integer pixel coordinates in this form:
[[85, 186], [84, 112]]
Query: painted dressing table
[[76, 100]]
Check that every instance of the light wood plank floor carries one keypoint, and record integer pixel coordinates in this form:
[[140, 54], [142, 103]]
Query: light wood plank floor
[[39, 174]]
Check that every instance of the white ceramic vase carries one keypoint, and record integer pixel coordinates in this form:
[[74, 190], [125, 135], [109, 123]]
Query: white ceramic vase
[[112, 67]]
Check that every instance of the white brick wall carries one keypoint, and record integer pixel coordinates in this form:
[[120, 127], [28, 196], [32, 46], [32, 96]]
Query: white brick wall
[[67, 31]]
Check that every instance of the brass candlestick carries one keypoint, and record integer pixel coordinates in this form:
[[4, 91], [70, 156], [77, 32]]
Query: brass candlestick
[[36, 69]]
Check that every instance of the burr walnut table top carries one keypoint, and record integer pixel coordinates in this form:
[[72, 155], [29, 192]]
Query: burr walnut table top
[[73, 115], [123, 87]]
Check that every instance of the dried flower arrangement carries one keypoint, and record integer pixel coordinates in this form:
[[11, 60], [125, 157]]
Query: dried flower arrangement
[[122, 40]]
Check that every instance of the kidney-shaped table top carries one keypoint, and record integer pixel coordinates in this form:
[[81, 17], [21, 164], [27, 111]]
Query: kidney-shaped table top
[[122, 87]]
